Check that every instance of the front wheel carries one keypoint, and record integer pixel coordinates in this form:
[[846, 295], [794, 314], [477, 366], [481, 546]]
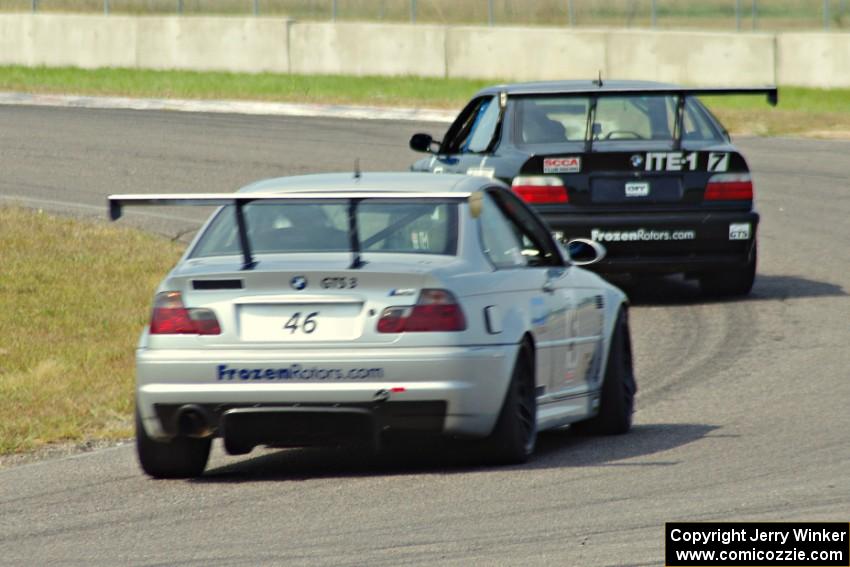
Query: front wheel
[[617, 397], [181, 457], [732, 282], [515, 434]]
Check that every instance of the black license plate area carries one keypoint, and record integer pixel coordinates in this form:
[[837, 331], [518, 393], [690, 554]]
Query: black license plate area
[[298, 427], [631, 190]]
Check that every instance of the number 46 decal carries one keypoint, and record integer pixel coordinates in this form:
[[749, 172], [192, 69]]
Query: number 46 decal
[[307, 326], [718, 162]]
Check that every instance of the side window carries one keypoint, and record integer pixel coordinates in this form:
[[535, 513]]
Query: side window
[[512, 236], [697, 126], [501, 243], [538, 245], [476, 127], [484, 127]]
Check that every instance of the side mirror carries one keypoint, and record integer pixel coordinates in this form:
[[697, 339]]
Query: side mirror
[[583, 251], [422, 143]]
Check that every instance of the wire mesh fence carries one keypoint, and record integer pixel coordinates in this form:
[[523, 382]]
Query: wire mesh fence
[[742, 15]]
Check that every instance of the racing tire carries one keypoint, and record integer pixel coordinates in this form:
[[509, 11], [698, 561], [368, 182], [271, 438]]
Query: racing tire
[[617, 396], [181, 457], [730, 283], [515, 434]]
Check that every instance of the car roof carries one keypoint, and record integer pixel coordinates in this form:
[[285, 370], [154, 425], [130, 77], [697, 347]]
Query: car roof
[[372, 181], [572, 86]]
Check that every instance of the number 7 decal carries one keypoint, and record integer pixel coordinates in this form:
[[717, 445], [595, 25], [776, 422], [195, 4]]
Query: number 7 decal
[[718, 162]]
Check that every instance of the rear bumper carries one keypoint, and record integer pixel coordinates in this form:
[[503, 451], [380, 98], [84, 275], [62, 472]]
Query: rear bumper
[[450, 390], [665, 242], [301, 425]]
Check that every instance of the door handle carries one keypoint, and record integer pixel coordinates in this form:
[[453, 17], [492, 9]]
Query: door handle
[[549, 286]]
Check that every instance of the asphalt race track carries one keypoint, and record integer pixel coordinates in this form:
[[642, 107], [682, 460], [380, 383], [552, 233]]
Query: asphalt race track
[[742, 410]]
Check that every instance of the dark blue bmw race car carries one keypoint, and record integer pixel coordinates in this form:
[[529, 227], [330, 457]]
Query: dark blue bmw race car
[[644, 168]]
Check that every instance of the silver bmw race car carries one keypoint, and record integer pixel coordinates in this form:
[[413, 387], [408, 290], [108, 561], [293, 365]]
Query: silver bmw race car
[[332, 309]]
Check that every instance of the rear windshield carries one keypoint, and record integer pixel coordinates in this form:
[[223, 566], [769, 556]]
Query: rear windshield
[[383, 226], [562, 118]]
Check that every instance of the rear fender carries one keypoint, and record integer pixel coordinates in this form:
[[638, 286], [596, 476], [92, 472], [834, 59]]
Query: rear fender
[[615, 300]]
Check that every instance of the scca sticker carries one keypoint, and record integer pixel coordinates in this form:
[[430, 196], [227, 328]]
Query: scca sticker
[[562, 165]]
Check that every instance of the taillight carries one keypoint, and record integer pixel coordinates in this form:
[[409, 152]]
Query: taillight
[[171, 317], [435, 310], [538, 189], [729, 187]]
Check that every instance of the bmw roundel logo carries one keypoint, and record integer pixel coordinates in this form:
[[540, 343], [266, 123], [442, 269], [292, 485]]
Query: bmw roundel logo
[[298, 282], [637, 160]]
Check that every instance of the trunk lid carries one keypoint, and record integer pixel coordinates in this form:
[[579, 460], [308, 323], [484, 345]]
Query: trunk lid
[[623, 179], [295, 301]]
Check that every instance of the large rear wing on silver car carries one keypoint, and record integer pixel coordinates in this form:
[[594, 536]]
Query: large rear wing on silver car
[[239, 200]]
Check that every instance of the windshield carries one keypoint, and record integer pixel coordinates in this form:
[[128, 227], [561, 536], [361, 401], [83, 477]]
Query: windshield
[[554, 119], [302, 226]]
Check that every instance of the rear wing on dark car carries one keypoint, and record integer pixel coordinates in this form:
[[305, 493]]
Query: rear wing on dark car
[[594, 94], [771, 92]]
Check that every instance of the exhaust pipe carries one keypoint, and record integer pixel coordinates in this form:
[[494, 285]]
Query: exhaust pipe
[[193, 421]]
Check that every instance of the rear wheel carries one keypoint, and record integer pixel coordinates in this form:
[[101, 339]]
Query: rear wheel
[[515, 434], [616, 399], [730, 283], [181, 457]]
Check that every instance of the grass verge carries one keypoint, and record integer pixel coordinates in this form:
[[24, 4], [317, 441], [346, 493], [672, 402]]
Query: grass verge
[[382, 91], [801, 111], [73, 298]]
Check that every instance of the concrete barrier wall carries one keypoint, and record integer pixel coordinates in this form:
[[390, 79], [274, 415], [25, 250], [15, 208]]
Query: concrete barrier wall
[[84, 41], [368, 49], [204, 44], [695, 58], [813, 59], [80, 41], [226, 44], [524, 54], [15, 43], [546, 53], [520, 54]]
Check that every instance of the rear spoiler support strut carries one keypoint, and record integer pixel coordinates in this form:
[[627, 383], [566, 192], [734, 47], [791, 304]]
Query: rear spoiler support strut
[[594, 95], [591, 120], [248, 261], [356, 261], [679, 126]]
